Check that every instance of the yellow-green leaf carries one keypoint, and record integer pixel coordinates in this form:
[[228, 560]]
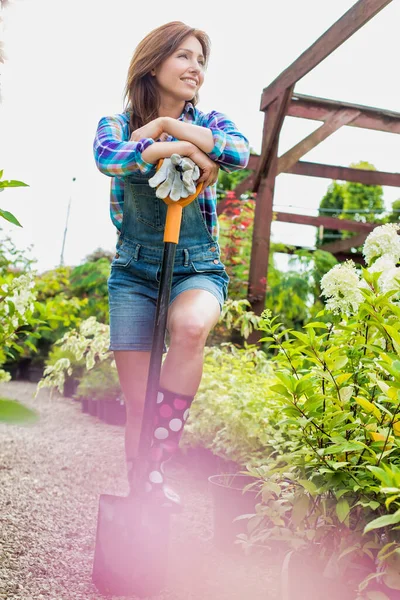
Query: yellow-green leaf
[[343, 377], [369, 407]]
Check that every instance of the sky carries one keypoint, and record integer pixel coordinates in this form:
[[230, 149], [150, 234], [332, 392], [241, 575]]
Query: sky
[[66, 68]]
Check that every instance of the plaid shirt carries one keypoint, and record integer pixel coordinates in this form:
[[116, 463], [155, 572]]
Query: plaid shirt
[[116, 157]]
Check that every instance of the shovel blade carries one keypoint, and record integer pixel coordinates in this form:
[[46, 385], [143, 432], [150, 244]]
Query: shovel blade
[[131, 550]]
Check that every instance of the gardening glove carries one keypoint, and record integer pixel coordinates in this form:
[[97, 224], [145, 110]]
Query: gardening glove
[[161, 174], [176, 178], [190, 173], [164, 189], [177, 190]]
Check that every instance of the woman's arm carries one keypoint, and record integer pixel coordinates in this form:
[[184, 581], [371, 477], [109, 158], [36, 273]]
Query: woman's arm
[[113, 155], [153, 153], [218, 137], [197, 135], [231, 148]]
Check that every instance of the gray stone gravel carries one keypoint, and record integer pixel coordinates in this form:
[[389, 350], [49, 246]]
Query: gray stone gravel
[[51, 476]]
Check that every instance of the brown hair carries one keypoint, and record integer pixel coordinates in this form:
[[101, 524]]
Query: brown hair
[[142, 98]]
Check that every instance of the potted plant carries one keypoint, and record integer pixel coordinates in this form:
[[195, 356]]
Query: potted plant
[[233, 495], [100, 388]]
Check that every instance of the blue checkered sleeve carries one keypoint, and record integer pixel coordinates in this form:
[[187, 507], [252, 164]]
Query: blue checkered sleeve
[[114, 156], [231, 148]]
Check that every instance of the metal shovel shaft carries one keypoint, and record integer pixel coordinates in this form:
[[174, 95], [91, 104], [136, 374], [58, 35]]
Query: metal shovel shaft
[[171, 238]]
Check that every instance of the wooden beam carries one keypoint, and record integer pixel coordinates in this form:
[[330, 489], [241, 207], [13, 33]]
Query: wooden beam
[[339, 32], [328, 172], [327, 222], [273, 121], [345, 245], [320, 109], [346, 174], [335, 122]]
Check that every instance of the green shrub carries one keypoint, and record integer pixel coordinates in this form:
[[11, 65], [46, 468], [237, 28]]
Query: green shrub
[[233, 412], [333, 484], [100, 383]]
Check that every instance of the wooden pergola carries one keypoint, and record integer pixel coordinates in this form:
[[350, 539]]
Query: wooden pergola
[[278, 101]]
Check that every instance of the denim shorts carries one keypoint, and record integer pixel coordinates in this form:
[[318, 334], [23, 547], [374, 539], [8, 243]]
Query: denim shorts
[[133, 289]]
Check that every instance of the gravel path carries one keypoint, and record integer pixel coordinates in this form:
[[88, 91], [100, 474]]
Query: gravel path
[[51, 476]]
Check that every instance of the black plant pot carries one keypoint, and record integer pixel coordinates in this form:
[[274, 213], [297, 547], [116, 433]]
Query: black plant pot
[[35, 373], [200, 461], [70, 387], [229, 502], [92, 407], [85, 405], [100, 409], [114, 412]]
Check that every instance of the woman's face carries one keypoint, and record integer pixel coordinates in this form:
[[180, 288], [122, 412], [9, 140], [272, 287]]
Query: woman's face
[[181, 75]]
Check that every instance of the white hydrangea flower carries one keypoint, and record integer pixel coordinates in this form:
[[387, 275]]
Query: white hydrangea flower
[[383, 241], [390, 281], [382, 264], [341, 285], [390, 274]]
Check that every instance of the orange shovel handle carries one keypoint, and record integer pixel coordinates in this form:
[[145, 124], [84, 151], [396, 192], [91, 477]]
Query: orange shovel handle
[[174, 212]]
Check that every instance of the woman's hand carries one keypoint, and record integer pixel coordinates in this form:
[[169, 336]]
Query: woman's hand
[[154, 130], [209, 169]]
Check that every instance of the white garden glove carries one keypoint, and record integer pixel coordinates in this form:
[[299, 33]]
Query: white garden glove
[[175, 178], [161, 174]]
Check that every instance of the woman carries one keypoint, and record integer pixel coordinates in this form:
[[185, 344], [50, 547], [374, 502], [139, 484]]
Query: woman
[[165, 75]]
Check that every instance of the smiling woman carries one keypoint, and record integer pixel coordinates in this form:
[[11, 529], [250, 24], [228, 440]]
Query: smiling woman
[[161, 118]]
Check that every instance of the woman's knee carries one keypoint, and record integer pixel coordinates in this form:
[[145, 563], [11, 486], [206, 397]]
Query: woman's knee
[[189, 331]]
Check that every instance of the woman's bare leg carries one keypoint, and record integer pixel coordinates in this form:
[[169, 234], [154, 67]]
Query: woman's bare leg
[[133, 369], [190, 319]]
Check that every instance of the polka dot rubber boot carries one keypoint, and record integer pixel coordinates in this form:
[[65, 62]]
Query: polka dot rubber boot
[[172, 411]]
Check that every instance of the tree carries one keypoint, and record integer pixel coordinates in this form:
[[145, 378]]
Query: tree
[[351, 201], [332, 206], [394, 216]]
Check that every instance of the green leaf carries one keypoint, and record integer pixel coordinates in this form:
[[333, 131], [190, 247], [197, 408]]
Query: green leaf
[[14, 412], [9, 217], [346, 393], [12, 183], [316, 324], [308, 485], [342, 510], [339, 362], [300, 509], [383, 521], [377, 596]]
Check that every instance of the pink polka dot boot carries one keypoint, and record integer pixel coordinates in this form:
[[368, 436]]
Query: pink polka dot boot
[[172, 411]]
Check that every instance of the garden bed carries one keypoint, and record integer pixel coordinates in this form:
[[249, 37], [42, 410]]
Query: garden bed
[[51, 475]]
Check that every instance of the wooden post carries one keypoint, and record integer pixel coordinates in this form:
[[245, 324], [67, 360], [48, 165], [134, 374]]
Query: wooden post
[[261, 238]]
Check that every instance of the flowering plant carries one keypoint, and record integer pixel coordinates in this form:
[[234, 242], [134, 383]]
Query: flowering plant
[[89, 342], [17, 298], [332, 484]]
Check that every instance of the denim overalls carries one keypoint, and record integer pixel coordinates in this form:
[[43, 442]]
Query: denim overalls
[[136, 267]]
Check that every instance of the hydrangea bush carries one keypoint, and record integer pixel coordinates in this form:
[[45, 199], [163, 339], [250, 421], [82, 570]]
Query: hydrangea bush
[[332, 485]]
